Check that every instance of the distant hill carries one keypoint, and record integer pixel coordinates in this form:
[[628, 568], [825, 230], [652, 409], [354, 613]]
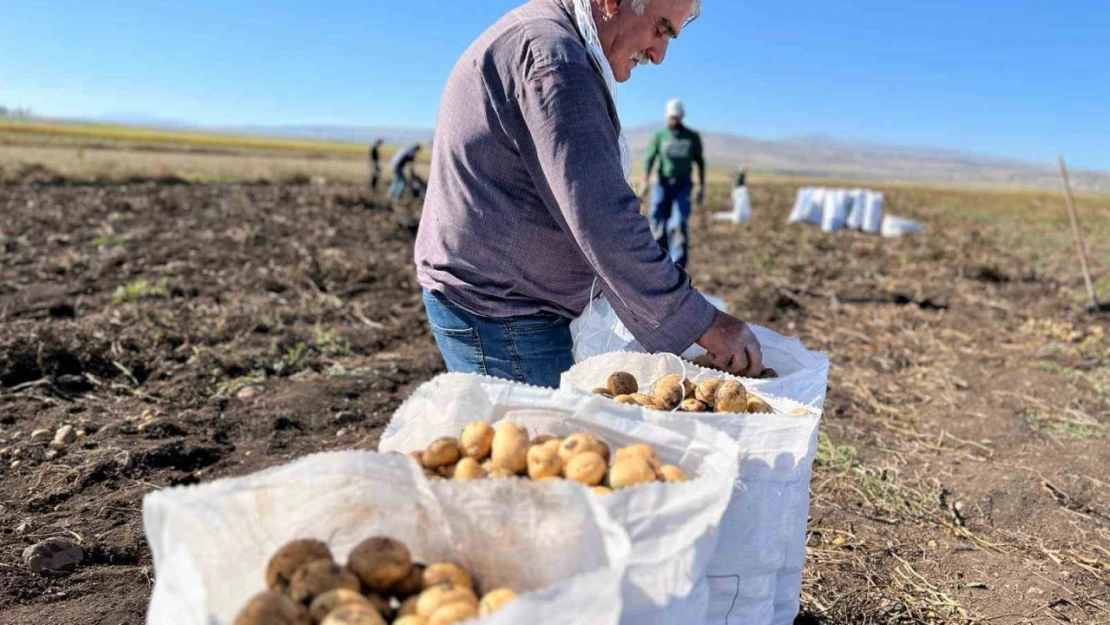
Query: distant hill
[[814, 156], [818, 156]]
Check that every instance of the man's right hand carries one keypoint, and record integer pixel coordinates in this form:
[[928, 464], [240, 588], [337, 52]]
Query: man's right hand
[[732, 346]]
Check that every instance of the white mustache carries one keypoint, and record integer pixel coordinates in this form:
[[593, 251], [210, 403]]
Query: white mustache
[[641, 58]]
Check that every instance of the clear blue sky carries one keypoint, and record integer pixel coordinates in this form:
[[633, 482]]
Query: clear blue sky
[[1024, 78]]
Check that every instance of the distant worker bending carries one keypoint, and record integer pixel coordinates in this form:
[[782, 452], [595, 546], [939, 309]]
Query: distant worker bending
[[402, 166], [678, 149]]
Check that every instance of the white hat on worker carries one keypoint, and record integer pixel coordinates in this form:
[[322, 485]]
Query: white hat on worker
[[675, 108]]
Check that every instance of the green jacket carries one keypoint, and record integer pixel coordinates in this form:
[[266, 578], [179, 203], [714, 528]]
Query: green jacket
[[677, 151]]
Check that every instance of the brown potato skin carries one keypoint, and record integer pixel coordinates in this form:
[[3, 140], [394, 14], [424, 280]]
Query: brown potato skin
[[319, 577], [621, 383], [412, 584], [446, 573], [468, 469], [510, 448], [541, 439], [292, 556], [544, 462], [380, 562], [707, 391], [630, 472], [731, 397], [639, 450], [453, 613], [602, 490], [477, 440], [693, 405], [581, 443], [587, 468], [436, 597], [325, 603], [442, 452], [671, 473], [408, 607], [411, 619], [494, 600], [758, 406], [688, 387], [604, 392], [354, 614], [669, 394], [626, 400], [272, 608]]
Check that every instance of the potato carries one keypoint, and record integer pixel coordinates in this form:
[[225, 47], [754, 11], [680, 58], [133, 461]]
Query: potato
[[446, 573], [554, 444], [688, 387], [641, 399], [602, 490], [418, 456], [500, 474], [625, 399], [436, 597], [442, 452], [604, 392], [272, 608], [495, 600], [384, 605], [453, 613], [408, 607], [354, 614], [380, 562], [693, 405], [477, 440], [412, 584], [639, 450], [621, 383], [468, 469], [587, 468], [292, 556], [544, 462], [731, 397], [411, 619], [447, 471], [581, 443], [668, 394], [707, 391], [630, 472], [671, 473], [757, 405], [510, 448], [324, 604], [541, 439], [317, 578]]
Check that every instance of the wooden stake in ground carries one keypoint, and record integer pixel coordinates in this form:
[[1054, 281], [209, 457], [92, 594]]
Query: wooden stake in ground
[[1080, 247]]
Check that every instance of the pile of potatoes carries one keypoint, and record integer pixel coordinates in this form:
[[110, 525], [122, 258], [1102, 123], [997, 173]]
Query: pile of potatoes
[[483, 451], [380, 584], [704, 362], [673, 392]]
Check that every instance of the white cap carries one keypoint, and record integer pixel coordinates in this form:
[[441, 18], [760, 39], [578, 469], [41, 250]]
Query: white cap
[[675, 108]]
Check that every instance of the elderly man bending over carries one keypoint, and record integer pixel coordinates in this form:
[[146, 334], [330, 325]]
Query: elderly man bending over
[[529, 205]]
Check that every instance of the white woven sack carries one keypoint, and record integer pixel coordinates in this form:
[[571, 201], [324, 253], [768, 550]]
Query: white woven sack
[[857, 203], [599, 330], [211, 543], [741, 212], [672, 526], [807, 206], [756, 572], [835, 211], [872, 213]]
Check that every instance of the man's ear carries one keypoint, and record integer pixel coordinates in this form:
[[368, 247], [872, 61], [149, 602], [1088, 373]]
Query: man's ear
[[611, 7]]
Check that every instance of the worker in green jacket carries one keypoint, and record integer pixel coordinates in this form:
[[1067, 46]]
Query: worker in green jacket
[[678, 149]]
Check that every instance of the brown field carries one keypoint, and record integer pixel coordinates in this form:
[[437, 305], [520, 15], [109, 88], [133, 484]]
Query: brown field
[[203, 325]]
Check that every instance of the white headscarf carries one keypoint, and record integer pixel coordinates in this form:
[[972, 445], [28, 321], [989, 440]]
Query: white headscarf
[[583, 15]]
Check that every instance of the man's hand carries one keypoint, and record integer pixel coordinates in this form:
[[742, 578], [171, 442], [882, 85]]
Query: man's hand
[[732, 346], [700, 197]]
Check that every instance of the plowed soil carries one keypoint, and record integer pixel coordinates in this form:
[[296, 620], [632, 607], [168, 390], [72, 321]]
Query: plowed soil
[[195, 331]]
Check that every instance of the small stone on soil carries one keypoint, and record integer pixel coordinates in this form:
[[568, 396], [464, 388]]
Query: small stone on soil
[[41, 434], [53, 555], [16, 464], [246, 392], [347, 417]]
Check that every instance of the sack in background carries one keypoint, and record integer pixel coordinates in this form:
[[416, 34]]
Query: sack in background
[[741, 212], [672, 527], [553, 542], [755, 575]]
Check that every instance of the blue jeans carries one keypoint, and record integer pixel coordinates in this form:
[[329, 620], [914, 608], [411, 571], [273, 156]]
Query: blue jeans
[[669, 227], [400, 183], [534, 349]]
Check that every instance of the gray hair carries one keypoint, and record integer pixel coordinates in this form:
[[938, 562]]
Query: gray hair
[[639, 5]]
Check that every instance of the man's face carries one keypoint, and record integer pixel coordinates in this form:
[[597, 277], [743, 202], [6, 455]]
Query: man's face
[[630, 39], [674, 122]]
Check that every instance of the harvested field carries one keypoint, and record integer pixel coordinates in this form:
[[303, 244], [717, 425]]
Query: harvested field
[[196, 331]]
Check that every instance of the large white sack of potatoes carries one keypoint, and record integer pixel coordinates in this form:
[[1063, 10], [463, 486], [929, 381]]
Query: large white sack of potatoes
[[803, 374], [756, 572], [672, 526], [551, 542]]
